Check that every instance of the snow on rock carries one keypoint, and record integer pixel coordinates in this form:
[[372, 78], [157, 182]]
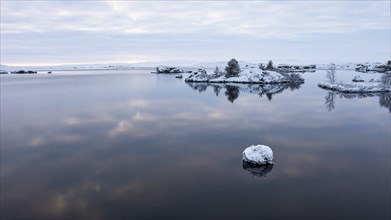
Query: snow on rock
[[258, 154], [248, 74], [356, 87]]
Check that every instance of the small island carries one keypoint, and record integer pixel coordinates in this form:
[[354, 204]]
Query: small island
[[169, 70], [252, 74], [357, 85], [24, 72]]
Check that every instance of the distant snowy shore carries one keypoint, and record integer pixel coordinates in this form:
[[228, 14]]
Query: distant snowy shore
[[363, 67]]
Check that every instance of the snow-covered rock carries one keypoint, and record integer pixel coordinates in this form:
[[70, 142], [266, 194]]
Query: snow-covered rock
[[356, 87], [357, 79], [179, 76], [258, 154], [248, 74]]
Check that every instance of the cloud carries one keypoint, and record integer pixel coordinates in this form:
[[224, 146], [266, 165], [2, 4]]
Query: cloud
[[162, 28]]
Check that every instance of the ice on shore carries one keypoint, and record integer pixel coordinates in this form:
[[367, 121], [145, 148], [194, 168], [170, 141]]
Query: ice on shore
[[258, 154]]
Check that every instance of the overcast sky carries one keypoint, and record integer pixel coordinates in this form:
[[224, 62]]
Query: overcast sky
[[76, 32]]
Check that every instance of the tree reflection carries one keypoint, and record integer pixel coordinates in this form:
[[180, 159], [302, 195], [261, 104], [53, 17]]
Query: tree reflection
[[257, 169], [330, 98], [216, 89], [385, 100], [329, 101], [232, 91]]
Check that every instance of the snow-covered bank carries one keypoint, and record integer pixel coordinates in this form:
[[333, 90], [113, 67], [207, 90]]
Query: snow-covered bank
[[250, 74], [356, 87]]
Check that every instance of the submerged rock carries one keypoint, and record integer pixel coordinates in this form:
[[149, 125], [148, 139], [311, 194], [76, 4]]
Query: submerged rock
[[258, 154]]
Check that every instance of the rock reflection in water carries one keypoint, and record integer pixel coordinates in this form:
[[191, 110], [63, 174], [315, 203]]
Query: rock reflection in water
[[330, 98], [257, 169], [232, 91]]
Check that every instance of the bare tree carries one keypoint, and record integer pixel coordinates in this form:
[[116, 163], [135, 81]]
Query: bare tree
[[331, 73], [232, 68]]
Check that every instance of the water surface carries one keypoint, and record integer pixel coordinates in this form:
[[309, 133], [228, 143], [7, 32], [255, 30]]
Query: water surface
[[130, 144]]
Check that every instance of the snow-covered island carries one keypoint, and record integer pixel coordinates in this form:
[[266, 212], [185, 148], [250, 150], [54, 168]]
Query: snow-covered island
[[357, 85], [251, 74], [374, 67], [168, 69]]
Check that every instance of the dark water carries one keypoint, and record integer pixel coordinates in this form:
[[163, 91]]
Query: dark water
[[134, 145]]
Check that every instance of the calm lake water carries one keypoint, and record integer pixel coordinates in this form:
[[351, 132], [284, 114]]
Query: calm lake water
[[133, 145]]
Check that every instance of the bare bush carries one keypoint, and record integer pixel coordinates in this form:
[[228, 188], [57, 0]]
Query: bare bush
[[331, 73]]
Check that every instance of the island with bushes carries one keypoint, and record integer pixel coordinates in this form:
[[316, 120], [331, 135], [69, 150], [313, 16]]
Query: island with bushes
[[253, 74]]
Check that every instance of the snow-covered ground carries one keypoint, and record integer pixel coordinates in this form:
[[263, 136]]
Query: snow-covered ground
[[248, 74]]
